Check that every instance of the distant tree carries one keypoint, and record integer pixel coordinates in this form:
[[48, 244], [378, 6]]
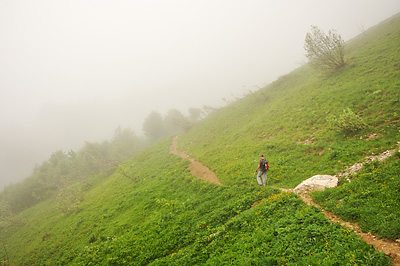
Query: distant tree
[[59, 175], [153, 126], [124, 144], [173, 121], [23, 195], [7, 216], [325, 52], [207, 109], [194, 114], [94, 158]]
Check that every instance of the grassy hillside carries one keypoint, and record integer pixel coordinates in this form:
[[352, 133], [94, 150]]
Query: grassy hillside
[[282, 118], [170, 218], [151, 211]]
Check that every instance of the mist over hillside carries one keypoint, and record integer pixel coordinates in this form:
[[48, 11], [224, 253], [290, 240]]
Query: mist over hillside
[[73, 72], [105, 205]]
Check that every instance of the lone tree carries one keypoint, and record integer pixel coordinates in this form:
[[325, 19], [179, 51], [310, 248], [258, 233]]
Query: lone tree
[[325, 52], [153, 126]]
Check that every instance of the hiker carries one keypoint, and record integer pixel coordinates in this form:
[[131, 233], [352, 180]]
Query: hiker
[[262, 170]]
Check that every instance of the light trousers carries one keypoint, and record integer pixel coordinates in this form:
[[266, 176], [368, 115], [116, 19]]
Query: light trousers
[[264, 178]]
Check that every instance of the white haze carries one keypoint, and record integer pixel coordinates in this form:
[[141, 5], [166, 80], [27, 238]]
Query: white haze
[[73, 71]]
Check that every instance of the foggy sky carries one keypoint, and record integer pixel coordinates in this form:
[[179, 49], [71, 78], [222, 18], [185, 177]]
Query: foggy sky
[[73, 71]]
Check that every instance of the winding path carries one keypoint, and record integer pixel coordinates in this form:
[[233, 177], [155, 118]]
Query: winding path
[[197, 169], [390, 248]]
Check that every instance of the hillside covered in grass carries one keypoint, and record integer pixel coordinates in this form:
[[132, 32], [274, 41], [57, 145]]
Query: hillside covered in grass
[[289, 119], [152, 211]]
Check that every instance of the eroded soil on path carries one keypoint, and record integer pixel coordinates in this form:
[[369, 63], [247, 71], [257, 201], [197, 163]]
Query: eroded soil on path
[[197, 169], [390, 248]]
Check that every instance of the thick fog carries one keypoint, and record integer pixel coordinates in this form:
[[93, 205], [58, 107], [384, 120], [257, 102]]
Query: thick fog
[[73, 71]]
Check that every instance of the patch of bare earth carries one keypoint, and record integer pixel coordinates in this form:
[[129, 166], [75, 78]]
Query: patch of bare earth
[[390, 248], [358, 166], [196, 168]]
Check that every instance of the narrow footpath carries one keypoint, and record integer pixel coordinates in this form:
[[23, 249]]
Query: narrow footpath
[[197, 169], [390, 248]]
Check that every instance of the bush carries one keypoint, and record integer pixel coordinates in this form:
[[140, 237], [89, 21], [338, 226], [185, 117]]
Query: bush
[[325, 52], [69, 198], [346, 122]]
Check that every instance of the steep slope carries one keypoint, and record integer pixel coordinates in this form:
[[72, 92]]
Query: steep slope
[[289, 120], [197, 169], [168, 217], [152, 211]]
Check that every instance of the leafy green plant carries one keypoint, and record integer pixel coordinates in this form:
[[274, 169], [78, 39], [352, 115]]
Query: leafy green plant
[[278, 230], [326, 52], [347, 121], [69, 197]]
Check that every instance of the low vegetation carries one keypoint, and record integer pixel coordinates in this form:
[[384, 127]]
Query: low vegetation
[[170, 218], [372, 198], [346, 122], [149, 210]]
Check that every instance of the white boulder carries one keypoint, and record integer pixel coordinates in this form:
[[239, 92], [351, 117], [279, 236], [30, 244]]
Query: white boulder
[[317, 182]]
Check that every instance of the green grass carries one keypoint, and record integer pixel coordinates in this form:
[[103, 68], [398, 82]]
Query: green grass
[[171, 218], [151, 211], [372, 199], [296, 107], [279, 230]]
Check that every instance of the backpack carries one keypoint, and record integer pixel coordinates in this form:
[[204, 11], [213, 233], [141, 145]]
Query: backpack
[[264, 164]]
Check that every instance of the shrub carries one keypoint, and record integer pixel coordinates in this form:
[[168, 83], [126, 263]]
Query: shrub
[[346, 122], [69, 198], [326, 52]]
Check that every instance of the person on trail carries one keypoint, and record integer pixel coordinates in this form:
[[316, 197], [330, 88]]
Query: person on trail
[[262, 170]]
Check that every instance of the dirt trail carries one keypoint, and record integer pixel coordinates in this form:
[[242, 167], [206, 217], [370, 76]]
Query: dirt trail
[[390, 248], [197, 169]]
